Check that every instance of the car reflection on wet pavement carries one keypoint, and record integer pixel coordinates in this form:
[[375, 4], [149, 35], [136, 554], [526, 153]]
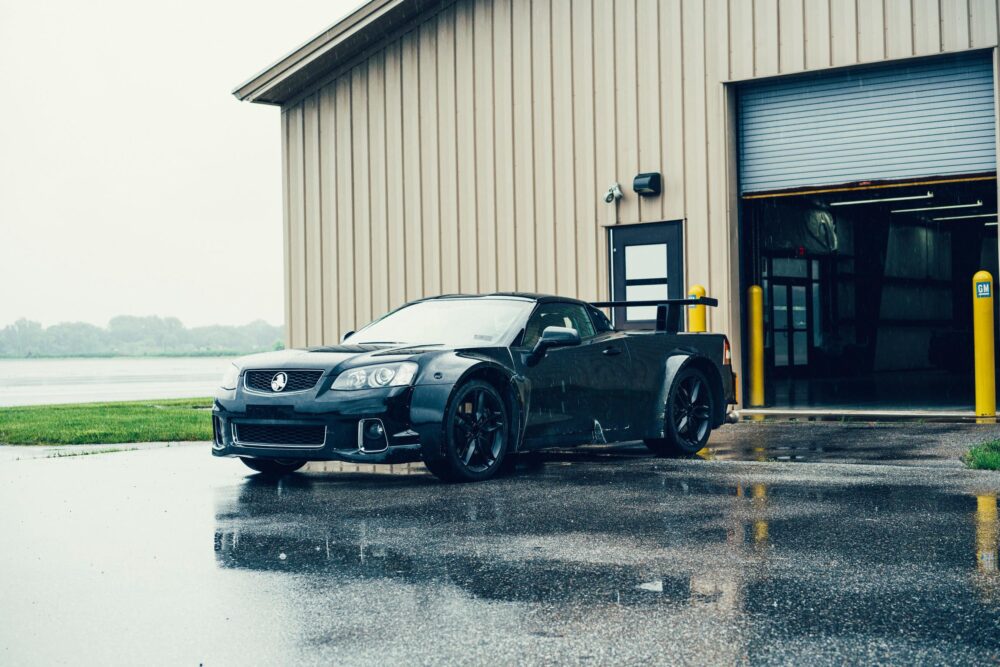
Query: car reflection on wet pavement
[[597, 555]]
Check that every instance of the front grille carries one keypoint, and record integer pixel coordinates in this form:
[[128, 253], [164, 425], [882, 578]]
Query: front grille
[[296, 380], [280, 435]]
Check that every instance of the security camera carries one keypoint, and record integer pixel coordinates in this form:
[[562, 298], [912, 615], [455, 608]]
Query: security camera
[[613, 194]]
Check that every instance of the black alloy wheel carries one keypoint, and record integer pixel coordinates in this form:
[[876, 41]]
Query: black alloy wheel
[[688, 415], [476, 432], [273, 467]]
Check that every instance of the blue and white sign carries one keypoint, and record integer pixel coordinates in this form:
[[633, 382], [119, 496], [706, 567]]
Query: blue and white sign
[[983, 289]]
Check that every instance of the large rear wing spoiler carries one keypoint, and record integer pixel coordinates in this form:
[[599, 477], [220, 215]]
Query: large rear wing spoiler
[[668, 311]]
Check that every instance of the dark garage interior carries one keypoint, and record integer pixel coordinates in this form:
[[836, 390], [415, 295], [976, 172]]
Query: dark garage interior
[[868, 291]]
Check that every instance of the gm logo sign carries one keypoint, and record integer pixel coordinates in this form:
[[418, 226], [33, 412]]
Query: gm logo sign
[[983, 290]]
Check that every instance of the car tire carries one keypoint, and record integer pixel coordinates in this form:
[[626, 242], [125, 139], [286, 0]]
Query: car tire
[[688, 412], [476, 435], [272, 467]]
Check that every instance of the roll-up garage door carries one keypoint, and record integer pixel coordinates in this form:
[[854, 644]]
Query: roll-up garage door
[[924, 118]]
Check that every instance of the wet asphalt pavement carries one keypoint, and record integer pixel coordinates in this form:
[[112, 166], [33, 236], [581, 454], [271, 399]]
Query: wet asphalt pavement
[[163, 555]]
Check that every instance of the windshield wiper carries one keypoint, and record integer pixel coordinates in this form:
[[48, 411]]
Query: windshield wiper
[[410, 347]]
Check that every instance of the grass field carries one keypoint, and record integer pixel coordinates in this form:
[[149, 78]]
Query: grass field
[[985, 456], [112, 423]]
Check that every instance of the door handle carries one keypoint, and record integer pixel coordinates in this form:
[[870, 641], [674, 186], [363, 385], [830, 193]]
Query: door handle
[[611, 351]]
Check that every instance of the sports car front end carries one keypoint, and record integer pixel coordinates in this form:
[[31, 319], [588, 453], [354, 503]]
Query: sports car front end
[[348, 403]]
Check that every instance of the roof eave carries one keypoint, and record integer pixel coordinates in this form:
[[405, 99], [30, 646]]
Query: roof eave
[[334, 46]]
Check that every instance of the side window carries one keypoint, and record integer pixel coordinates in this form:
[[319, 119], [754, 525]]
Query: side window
[[601, 322], [557, 315]]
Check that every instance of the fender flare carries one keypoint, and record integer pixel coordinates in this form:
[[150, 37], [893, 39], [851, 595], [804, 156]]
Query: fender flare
[[679, 360], [429, 402]]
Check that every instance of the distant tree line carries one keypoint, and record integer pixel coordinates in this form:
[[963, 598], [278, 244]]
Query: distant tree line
[[136, 336]]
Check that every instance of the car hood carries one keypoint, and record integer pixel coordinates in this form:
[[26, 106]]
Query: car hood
[[330, 357]]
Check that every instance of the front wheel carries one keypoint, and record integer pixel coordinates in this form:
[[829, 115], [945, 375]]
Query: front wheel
[[272, 467], [687, 415], [476, 435]]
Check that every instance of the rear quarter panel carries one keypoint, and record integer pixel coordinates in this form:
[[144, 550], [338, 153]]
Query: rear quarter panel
[[656, 359]]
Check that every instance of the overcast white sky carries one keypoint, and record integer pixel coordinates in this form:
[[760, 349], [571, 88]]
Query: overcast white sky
[[131, 181]]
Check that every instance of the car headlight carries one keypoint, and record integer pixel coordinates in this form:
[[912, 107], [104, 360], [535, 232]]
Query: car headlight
[[373, 377], [231, 377]]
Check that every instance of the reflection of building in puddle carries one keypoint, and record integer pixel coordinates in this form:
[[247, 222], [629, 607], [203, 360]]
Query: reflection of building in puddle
[[722, 588]]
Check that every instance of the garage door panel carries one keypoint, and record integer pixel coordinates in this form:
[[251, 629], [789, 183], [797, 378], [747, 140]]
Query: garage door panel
[[930, 118], [888, 79], [842, 141], [979, 106]]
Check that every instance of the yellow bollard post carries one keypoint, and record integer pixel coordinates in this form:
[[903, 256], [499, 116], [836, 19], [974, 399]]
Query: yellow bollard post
[[697, 317], [756, 303], [982, 327]]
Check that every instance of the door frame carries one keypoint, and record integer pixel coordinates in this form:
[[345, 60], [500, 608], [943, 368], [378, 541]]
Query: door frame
[[675, 267]]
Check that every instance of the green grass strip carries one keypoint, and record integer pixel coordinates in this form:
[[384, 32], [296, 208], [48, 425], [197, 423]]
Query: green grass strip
[[171, 420], [985, 456]]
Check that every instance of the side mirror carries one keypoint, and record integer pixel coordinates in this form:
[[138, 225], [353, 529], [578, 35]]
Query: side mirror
[[347, 334], [553, 337]]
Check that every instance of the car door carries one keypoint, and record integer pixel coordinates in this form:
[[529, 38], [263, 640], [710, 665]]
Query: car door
[[575, 391]]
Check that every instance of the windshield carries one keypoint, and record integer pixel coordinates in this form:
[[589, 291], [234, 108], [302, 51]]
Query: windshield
[[449, 322]]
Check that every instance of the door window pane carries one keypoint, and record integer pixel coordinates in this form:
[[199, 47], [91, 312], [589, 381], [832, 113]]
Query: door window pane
[[780, 348], [798, 307], [644, 293], [645, 261], [793, 268], [780, 307], [801, 348], [817, 320]]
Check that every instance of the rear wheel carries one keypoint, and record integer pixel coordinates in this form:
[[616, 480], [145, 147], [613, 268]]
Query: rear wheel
[[273, 467], [687, 415], [476, 434]]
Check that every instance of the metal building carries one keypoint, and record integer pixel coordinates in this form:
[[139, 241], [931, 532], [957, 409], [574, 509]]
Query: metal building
[[440, 146]]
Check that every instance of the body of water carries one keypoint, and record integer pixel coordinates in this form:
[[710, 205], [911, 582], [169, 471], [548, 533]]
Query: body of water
[[45, 381]]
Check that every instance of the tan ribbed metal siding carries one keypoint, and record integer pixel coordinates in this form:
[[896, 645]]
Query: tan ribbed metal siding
[[470, 153]]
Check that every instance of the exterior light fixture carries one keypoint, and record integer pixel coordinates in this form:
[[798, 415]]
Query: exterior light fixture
[[855, 202], [967, 217], [647, 185], [936, 208]]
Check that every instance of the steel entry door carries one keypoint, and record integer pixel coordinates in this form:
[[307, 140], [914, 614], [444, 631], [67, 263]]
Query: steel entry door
[[646, 263]]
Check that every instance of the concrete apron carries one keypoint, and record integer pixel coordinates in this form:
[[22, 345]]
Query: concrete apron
[[839, 414]]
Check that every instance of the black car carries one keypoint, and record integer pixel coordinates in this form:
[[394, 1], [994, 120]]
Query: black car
[[463, 383]]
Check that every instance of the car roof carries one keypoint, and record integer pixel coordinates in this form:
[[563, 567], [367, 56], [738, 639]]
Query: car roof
[[530, 296]]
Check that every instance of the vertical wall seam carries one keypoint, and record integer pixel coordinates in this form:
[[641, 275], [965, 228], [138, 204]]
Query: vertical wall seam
[[513, 147], [368, 226], [303, 194], [857, 32], [475, 143], [437, 153], [708, 144], [552, 161], [458, 190], [660, 111], [593, 131], [319, 181], [572, 144], [913, 31], [496, 173], [534, 167], [940, 30]]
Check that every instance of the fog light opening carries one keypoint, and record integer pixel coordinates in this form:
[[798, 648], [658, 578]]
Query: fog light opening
[[371, 436]]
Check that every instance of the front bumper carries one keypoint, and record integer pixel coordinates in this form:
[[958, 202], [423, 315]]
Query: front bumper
[[340, 416]]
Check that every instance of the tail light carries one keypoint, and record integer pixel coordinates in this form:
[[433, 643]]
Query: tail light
[[727, 353]]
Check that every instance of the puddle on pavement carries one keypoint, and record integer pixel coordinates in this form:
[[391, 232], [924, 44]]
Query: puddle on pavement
[[853, 551]]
